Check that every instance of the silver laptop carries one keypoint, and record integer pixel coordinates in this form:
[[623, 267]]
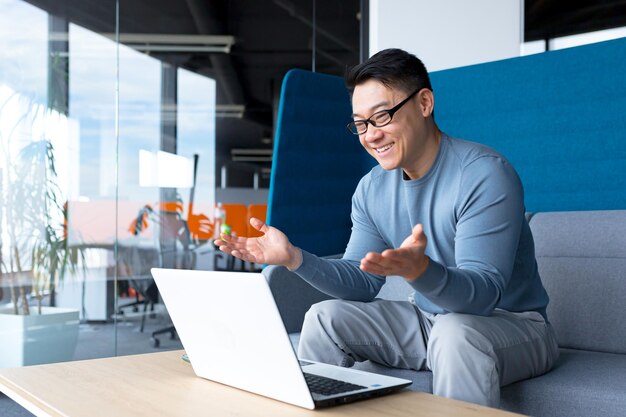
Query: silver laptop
[[233, 334]]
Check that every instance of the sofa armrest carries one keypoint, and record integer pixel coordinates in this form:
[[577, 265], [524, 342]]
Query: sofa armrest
[[293, 295]]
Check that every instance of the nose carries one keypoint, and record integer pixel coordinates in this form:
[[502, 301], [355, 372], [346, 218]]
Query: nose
[[373, 134]]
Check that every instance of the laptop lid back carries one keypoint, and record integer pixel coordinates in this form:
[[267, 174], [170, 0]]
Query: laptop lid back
[[232, 332]]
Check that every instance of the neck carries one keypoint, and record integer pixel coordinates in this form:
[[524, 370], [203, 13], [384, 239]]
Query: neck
[[428, 156]]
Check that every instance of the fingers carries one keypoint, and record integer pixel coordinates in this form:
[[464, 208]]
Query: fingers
[[259, 225], [389, 262], [406, 261], [418, 234], [230, 242], [374, 263], [236, 250], [240, 247], [235, 241], [245, 255], [372, 268], [391, 256]]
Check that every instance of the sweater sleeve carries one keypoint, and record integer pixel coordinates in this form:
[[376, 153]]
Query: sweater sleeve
[[489, 211], [342, 278]]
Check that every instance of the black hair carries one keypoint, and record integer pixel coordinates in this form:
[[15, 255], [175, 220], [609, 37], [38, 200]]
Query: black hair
[[394, 68]]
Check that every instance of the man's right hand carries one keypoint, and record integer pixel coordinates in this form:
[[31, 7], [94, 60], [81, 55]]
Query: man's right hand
[[273, 248]]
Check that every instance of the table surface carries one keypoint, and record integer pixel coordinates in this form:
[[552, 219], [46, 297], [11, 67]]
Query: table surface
[[161, 384]]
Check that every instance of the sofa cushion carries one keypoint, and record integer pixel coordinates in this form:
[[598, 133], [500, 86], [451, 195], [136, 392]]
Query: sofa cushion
[[582, 259], [582, 384], [293, 295]]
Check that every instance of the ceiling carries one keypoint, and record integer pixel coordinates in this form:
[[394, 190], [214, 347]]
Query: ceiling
[[273, 36], [545, 19]]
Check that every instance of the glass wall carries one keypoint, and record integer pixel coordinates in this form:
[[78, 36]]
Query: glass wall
[[107, 169], [40, 147], [117, 118]]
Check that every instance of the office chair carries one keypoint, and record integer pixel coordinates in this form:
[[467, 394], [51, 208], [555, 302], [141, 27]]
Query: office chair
[[171, 246], [135, 261], [177, 250]]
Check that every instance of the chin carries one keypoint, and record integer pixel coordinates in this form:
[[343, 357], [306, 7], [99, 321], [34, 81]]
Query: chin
[[387, 166]]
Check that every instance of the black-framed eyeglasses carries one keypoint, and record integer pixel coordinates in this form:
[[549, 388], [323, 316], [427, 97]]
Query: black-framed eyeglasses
[[378, 119]]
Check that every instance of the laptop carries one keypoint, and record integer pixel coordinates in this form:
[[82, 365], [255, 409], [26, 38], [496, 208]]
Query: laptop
[[232, 332]]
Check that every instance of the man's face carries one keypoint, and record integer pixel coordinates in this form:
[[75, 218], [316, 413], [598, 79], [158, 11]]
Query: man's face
[[398, 144]]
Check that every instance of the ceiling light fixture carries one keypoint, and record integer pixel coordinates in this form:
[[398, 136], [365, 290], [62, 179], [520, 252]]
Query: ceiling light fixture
[[251, 155], [230, 110], [160, 42]]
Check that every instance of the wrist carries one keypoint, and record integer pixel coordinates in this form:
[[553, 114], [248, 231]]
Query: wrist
[[295, 259], [420, 269]]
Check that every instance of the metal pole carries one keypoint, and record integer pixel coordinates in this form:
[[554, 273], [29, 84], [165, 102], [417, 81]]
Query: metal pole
[[314, 46], [364, 31], [117, 173]]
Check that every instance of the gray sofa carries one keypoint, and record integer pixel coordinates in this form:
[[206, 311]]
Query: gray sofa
[[582, 261]]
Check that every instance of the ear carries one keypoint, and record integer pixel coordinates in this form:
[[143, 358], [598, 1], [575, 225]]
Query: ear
[[426, 102]]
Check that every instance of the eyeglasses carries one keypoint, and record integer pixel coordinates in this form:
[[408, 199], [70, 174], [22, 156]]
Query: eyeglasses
[[378, 119]]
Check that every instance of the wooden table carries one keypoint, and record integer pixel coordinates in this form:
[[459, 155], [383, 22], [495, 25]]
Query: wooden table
[[161, 384]]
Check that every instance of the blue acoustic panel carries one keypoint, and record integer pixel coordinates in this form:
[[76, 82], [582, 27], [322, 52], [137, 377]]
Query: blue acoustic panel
[[317, 163], [559, 117]]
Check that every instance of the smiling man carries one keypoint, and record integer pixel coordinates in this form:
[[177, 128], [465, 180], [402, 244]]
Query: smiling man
[[445, 214]]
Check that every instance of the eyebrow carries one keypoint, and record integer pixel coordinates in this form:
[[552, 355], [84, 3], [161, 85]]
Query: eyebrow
[[374, 107]]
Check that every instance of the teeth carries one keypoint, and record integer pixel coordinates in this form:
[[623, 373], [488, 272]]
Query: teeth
[[384, 148]]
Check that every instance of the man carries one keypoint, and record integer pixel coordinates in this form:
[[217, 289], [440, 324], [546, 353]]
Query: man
[[448, 216]]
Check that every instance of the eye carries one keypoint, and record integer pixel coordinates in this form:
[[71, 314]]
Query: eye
[[380, 118]]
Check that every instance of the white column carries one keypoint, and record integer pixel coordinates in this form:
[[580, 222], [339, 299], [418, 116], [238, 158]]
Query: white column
[[448, 33]]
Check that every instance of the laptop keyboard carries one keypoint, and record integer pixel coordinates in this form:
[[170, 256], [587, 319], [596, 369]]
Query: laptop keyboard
[[328, 386]]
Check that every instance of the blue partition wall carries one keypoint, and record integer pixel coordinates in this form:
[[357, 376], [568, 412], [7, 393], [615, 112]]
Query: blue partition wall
[[559, 117], [317, 163]]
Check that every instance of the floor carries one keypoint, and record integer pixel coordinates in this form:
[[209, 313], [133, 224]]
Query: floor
[[98, 340]]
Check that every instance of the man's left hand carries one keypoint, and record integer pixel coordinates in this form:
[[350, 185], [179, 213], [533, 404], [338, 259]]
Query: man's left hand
[[408, 261]]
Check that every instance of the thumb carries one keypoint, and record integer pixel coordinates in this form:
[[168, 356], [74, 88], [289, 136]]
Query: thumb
[[418, 234], [259, 225]]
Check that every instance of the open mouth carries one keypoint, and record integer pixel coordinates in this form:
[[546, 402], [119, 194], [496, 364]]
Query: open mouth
[[385, 148]]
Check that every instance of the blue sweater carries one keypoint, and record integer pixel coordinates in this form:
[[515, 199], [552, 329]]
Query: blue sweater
[[471, 204]]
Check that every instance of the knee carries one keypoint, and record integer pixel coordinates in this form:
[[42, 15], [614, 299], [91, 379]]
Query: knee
[[324, 313]]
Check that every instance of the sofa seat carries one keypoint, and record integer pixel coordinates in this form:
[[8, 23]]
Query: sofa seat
[[584, 276], [580, 381], [570, 389]]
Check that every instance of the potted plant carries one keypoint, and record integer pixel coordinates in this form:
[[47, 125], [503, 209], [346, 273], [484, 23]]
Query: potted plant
[[34, 255]]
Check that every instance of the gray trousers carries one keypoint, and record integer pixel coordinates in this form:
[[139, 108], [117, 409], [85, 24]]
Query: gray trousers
[[471, 357]]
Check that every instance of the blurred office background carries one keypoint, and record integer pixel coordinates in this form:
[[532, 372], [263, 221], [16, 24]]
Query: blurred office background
[[123, 123]]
